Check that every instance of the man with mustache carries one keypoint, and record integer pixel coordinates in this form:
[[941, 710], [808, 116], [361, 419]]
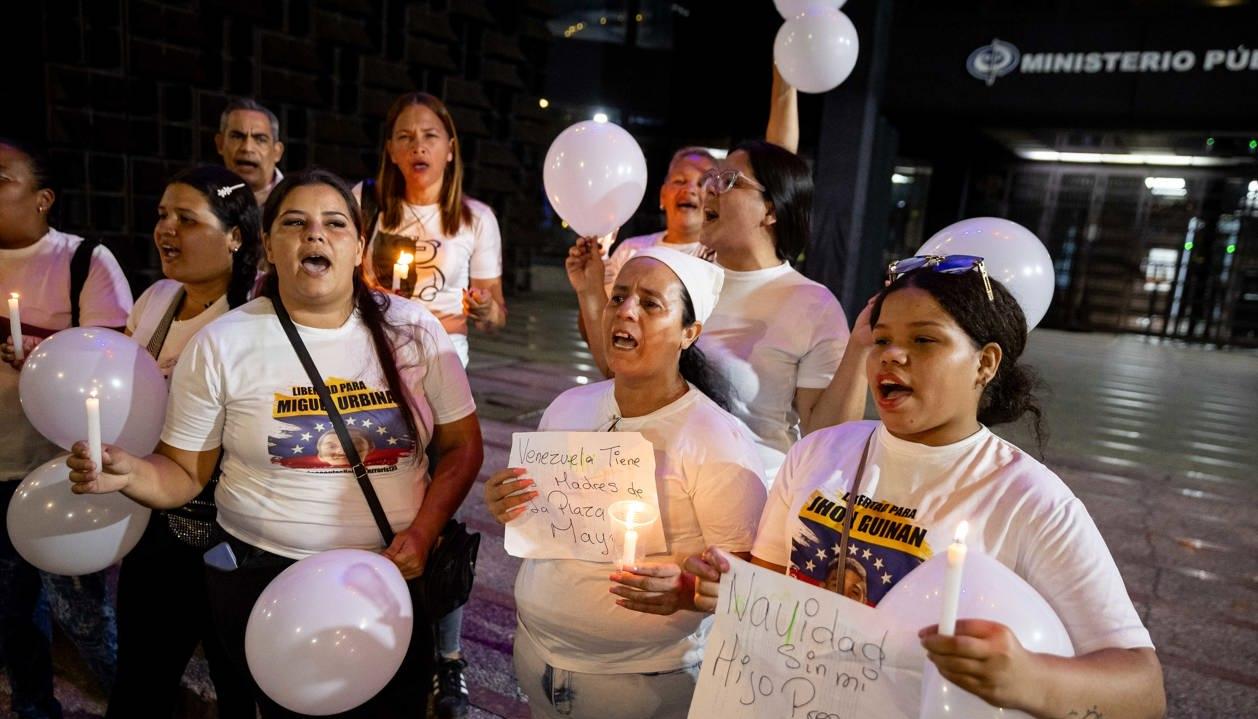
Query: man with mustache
[[248, 140]]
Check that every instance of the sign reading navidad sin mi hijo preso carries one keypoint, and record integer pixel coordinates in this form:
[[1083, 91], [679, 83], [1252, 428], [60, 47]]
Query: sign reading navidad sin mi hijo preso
[[785, 649], [577, 476]]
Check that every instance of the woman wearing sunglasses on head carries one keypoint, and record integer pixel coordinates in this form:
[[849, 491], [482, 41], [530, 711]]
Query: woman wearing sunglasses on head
[[944, 368]]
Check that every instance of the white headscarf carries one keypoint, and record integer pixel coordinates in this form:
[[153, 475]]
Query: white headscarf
[[702, 279]]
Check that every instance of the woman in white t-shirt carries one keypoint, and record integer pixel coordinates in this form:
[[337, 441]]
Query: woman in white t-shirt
[[240, 394], [579, 653], [416, 205], [208, 237], [944, 368], [776, 335]]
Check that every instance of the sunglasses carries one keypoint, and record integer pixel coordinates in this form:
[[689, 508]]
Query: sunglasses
[[719, 182], [948, 265]]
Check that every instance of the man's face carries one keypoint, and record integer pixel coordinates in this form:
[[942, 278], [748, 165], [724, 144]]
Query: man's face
[[248, 147]]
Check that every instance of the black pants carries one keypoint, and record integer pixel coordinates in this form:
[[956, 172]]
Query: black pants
[[163, 613], [232, 596]]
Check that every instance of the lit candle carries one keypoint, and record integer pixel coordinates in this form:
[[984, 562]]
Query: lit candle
[[93, 429], [629, 557], [952, 582], [15, 325], [402, 269]]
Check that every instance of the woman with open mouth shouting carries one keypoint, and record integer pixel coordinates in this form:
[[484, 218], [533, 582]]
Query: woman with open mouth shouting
[[208, 237], [944, 368], [578, 653], [415, 205], [776, 336], [243, 393]]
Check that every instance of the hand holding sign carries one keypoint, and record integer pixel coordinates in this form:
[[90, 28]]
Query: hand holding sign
[[557, 502]]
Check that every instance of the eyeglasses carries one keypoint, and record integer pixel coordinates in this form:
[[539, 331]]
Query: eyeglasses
[[949, 265], [719, 182]]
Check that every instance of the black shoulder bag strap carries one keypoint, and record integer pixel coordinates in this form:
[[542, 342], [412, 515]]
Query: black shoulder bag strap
[[158, 340], [80, 265], [850, 513], [347, 442]]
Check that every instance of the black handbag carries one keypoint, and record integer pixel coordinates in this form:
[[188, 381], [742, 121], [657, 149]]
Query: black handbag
[[450, 571]]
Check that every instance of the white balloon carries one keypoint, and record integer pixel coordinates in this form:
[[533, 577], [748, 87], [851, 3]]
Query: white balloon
[[989, 590], [329, 632], [595, 177], [792, 8], [1013, 255], [72, 534], [816, 49], [64, 368]]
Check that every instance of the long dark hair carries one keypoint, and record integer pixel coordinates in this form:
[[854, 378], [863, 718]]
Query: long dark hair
[[371, 303], [391, 183], [787, 181], [1011, 392], [234, 209], [694, 365]]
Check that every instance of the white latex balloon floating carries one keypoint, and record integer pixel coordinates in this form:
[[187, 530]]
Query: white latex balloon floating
[[816, 49], [595, 177], [792, 8], [329, 632], [989, 590], [72, 534], [1012, 253], [64, 369]]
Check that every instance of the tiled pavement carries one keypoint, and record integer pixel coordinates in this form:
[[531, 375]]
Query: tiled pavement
[[1159, 441]]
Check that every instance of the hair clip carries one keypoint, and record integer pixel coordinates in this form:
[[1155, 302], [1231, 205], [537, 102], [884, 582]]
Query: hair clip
[[225, 191]]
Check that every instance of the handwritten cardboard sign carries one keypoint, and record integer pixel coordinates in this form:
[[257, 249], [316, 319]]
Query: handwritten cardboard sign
[[578, 475], [782, 648]]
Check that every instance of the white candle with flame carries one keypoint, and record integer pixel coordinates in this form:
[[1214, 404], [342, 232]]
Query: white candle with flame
[[93, 430], [15, 325], [952, 582], [402, 269], [629, 556]]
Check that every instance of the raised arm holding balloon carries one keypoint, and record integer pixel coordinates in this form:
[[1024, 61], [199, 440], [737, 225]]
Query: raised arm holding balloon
[[944, 367], [283, 496]]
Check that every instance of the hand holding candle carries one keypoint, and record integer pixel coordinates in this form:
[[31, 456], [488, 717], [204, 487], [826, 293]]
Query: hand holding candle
[[952, 582], [15, 325], [93, 430], [402, 269]]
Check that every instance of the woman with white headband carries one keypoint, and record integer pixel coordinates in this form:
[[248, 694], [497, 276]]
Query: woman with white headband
[[578, 651]]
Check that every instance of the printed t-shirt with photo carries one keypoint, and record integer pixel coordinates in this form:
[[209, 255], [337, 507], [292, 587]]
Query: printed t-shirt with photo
[[1020, 513], [773, 331], [150, 309], [40, 274], [711, 491], [286, 485]]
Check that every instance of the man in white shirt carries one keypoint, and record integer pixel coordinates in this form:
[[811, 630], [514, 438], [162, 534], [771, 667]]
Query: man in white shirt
[[248, 140]]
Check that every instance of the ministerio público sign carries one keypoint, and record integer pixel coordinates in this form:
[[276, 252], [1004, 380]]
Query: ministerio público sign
[[999, 58]]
